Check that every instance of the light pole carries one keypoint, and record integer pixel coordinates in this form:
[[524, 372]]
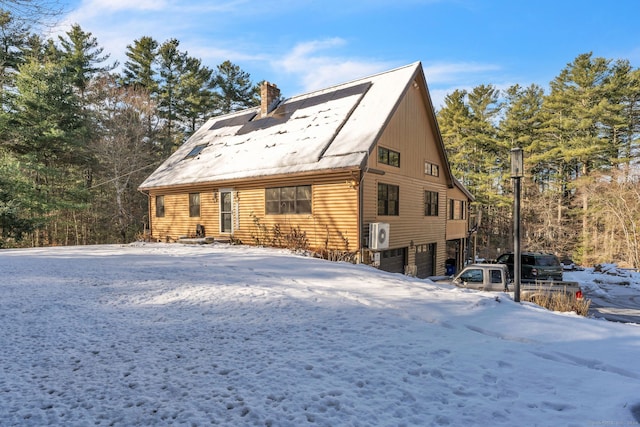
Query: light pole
[[517, 172]]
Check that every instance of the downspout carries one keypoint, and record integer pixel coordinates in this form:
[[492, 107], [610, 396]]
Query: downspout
[[364, 166]]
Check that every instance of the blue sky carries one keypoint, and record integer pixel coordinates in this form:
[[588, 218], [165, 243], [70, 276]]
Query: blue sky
[[302, 45]]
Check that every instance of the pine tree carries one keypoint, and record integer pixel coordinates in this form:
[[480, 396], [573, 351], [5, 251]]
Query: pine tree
[[236, 92], [13, 38], [18, 203], [171, 62], [139, 69], [82, 57], [46, 133], [195, 94]]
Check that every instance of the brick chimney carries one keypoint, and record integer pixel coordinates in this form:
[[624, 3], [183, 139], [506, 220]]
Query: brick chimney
[[269, 97]]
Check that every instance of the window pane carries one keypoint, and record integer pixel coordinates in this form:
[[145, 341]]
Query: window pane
[[287, 206], [393, 192], [226, 201], [288, 193], [394, 158], [388, 199], [382, 192], [303, 192], [303, 206], [273, 207], [194, 204], [393, 207], [383, 155], [272, 194], [226, 222], [159, 206]]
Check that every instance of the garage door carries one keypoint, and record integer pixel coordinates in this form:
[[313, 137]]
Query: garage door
[[425, 256], [393, 260]]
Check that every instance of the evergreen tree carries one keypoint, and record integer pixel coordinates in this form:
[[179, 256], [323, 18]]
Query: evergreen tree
[[13, 38], [521, 115], [623, 90], [194, 94], [171, 62], [82, 57], [476, 154], [236, 92], [46, 129], [17, 202], [139, 69]]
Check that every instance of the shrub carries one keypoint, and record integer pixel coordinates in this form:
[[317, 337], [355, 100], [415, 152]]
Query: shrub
[[559, 301]]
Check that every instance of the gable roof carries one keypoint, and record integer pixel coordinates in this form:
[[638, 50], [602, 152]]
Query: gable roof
[[329, 129]]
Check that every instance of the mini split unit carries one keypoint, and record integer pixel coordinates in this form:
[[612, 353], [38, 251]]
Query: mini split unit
[[378, 235]]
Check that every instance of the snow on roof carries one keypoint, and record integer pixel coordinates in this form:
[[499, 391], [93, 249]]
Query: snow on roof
[[332, 128]]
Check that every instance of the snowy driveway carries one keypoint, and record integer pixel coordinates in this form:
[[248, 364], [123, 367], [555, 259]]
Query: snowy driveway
[[159, 334], [618, 304]]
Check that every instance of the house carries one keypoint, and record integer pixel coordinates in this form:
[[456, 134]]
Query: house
[[358, 168]]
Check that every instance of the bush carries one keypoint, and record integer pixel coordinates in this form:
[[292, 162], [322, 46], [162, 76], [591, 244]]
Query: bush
[[559, 301]]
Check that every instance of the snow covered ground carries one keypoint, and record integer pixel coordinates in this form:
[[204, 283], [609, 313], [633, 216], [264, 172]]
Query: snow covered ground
[[168, 334]]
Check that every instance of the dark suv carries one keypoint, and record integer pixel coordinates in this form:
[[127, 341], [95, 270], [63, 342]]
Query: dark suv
[[534, 266]]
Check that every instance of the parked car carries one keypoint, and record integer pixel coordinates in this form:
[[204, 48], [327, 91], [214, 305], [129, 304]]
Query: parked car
[[483, 277], [495, 277], [568, 264], [534, 266]]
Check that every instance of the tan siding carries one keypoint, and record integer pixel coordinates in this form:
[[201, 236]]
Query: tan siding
[[410, 132], [457, 228], [176, 221], [331, 225]]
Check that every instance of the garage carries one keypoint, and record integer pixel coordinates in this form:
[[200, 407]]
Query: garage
[[425, 260], [393, 260]]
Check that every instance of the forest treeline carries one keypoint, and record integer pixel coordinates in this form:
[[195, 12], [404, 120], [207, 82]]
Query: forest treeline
[[580, 138], [77, 137]]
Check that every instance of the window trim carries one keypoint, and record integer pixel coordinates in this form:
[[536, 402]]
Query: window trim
[[384, 152], [193, 205], [383, 189], [226, 213], [301, 206], [431, 208], [431, 169], [457, 209], [160, 210]]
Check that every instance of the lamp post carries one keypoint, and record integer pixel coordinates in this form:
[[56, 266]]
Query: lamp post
[[517, 172]]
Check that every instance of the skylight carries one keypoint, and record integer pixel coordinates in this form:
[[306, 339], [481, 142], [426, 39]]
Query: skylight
[[195, 151]]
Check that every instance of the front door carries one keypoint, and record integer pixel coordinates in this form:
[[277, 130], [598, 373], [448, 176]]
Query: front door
[[226, 211]]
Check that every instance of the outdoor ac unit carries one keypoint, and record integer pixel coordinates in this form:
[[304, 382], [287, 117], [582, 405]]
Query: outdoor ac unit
[[378, 235]]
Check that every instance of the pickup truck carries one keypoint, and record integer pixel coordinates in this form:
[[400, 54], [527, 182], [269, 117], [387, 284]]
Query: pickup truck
[[495, 277]]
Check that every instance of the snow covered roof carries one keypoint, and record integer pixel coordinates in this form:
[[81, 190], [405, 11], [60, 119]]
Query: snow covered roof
[[333, 128]]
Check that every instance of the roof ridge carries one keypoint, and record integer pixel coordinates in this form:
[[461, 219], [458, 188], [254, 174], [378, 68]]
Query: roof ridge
[[351, 82]]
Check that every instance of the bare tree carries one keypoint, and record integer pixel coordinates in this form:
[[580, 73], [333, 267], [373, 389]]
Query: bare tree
[[613, 219], [125, 152], [33, 12]]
